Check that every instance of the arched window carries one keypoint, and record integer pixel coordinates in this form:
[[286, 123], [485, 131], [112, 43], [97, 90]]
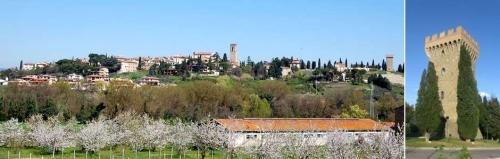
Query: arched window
[[442, 94], [443, 71], [442, 52]]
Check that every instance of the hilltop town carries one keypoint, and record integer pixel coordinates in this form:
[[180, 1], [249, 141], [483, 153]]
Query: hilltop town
[[96, 71]]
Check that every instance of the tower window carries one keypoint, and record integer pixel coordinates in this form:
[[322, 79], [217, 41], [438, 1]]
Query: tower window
[[442, 52], [442, 94], [443, 70]]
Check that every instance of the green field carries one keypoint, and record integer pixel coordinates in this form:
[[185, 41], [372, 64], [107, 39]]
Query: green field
[[104, 154], [450, 143]]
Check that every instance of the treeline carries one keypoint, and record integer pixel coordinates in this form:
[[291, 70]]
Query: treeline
[[193, 100]]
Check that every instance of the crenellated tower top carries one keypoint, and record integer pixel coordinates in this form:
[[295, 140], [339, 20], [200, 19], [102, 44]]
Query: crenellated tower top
[[452, 37]]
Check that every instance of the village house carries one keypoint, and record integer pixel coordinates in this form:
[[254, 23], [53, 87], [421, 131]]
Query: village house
[[102, 75], [149, 81], [74, 80], [249, 131], [205, 56], [286, 71], [341, 67], [295, 63], [32, 66], [19, 82], [4, 82], [177, 59], [34, 80], [128, 66]]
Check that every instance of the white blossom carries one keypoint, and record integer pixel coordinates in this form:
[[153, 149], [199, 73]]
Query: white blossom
[[181, 135], [155, 133], [50, 134], [12, 134], [94, 135], [209, 135]]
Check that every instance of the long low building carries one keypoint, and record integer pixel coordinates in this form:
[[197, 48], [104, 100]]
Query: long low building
[[251, 131]]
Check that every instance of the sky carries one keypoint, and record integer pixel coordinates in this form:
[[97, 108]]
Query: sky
[[36, 31], [479, 18]]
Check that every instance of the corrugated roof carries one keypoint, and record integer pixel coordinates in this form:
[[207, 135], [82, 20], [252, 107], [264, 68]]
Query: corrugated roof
[[300, 124]]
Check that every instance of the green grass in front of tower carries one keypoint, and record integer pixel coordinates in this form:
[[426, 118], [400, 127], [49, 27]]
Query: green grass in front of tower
[[451, 143]]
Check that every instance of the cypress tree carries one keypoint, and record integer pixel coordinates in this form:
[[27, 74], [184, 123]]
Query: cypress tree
[[319, 63], [428, 107], [468, 98], [3, 109]]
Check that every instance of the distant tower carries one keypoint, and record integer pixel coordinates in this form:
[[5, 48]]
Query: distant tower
[[389, 59], [444, 52], [234, 54]]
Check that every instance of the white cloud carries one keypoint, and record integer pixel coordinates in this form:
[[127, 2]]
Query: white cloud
[[484, 94]]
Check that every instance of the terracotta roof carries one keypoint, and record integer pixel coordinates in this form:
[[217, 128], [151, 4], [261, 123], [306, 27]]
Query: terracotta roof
[[300, 124]]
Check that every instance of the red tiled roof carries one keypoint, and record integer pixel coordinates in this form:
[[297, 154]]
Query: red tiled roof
[[300, 124]]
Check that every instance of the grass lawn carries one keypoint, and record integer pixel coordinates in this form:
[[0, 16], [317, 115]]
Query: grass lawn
[[37, 153], [450, 143]]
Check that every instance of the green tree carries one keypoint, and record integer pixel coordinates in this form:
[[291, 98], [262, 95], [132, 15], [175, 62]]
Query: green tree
[[354, 111], [275, 69], [49, 109], [319, 63], [257, 108], [468, 98], [141, 64], [3, 113], [31, 107], [429, 109], [410, 122]]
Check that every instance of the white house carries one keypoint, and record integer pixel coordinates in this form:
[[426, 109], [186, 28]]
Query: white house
[[128, 66], [4, 82], [250, 131]]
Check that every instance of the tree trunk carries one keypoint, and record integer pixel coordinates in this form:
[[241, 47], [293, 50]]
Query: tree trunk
[[53, 152], [74, 154], [427, 137], [149, 154], [203, 154], [123, 152], [86, 153], [171, 151]]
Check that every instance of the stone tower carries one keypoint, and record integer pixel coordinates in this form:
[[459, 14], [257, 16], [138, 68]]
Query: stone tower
[[233, 55], [444, 51], [389, 58]]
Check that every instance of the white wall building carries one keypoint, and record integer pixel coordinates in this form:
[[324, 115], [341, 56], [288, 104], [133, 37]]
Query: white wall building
[[128, 66], [250, 131], [4, 82]]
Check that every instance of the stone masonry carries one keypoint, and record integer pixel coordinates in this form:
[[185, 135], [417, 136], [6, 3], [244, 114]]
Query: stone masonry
[[444, 51], [389, 58], [234, 54]]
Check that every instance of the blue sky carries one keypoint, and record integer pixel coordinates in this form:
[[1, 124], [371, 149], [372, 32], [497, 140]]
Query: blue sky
[[479, 18], [48, 30]]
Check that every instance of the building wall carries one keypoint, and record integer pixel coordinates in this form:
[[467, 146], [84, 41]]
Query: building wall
[[128, 67], [389, 63], [245, 139], [234, 55]]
